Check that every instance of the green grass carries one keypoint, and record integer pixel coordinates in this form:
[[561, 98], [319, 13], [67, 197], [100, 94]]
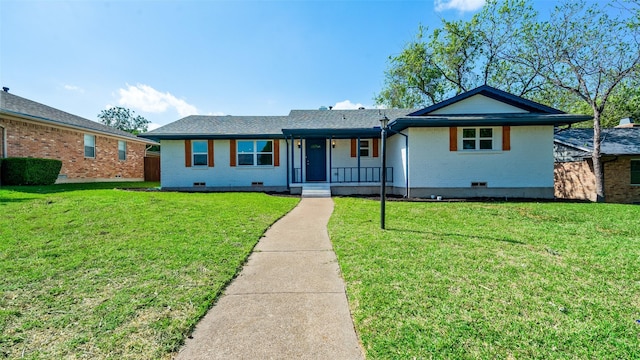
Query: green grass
[[492, 280], [89, 271]]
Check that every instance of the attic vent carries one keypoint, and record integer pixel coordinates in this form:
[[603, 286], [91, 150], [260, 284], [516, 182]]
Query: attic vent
[[478, 184], [5, 89], [361, 108], [199, 184], [257, 183]]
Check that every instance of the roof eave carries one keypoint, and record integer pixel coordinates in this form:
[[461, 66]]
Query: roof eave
[[490, 120], [63, 124]]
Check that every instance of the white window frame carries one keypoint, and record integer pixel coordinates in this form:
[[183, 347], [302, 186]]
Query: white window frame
[[195, 153], [254, 153], [122, 153], [364, 148], [91, 146], [631, 171], [477, 139]]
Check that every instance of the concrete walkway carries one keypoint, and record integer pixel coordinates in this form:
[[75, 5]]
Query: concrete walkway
[[288, 302]]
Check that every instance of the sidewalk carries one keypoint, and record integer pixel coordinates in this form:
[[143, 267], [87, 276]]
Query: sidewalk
[[288, 302]]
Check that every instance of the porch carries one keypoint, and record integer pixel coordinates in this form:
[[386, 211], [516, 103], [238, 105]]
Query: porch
[[349, 159]]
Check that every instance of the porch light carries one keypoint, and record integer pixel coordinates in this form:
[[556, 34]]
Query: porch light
[[299, 144], [333, 144]]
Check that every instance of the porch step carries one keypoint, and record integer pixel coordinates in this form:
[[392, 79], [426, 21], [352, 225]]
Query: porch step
[[316, 190]]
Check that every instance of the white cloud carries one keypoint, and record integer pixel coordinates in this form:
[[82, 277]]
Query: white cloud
[[153, 126], [347, 105], [74, 88], [460, 5], [216, 113], [145, 98]]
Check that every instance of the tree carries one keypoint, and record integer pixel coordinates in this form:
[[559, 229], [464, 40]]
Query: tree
[[588, 53], [462, 55], [124, 119]]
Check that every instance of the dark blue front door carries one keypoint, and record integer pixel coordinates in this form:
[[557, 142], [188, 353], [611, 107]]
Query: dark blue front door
[[316, 150]]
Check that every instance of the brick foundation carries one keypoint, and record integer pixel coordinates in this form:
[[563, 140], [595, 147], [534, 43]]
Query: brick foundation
[[33, 139]]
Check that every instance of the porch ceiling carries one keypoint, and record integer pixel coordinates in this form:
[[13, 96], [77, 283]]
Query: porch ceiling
[[333, 133]]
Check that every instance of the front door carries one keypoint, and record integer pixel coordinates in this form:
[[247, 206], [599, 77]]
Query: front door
[[316, 150]]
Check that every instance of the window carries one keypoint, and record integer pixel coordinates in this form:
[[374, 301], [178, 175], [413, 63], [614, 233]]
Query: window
[[122, 150], [477, 139], [635, 172], [364, 148], [255, 153], [89, 146], [199, 152]]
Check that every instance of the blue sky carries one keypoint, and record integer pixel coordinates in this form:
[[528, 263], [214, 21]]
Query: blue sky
[[169, 59]]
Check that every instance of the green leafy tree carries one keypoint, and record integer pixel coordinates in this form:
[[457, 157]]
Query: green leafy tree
[[589, 53], [124, 119]]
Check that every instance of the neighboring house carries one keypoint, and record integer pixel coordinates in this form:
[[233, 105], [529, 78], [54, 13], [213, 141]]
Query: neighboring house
[[620, 154], [89, 151], [484, 142]]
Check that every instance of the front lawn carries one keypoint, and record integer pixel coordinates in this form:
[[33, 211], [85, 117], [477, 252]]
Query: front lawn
[[492, 280], [112, 274]]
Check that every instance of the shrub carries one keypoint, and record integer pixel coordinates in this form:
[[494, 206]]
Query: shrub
[[30, 171]]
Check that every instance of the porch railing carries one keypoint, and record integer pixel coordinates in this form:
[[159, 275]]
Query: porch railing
[[361, 175], [350, 175]]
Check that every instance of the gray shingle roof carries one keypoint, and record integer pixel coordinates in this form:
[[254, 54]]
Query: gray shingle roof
[[16, 105], [616, 141], [272, 126]]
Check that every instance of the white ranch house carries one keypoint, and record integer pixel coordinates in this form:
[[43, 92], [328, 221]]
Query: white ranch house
[[482, 143]]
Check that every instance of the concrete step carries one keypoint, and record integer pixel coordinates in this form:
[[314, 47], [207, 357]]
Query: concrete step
[[321, 190]]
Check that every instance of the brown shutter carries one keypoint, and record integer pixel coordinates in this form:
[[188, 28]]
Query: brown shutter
[[506, 138], [187, 153], [276, 152], [354, 147], [453, 139], [232, 152], [210, 152], [375, 147]]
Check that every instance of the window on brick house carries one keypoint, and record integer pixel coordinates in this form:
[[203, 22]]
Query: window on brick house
[[122, 150], [89, 146], [635, 172]]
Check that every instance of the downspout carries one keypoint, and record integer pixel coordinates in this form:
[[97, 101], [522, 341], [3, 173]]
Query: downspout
[[4, 142], [406, 147]]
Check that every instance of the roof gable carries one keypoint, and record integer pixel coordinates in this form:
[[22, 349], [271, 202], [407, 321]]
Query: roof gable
[[483, 100], [19, 106]]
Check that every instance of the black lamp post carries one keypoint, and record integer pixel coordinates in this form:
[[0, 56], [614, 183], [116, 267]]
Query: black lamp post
[[383, 177]]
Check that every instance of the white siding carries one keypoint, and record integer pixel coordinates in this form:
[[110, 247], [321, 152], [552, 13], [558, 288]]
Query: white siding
[[478, 104], [529, 163], [174, 173]]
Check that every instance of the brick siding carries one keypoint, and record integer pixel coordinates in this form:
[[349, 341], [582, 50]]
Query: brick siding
[[617, 181], [32, 139], [575, 180]]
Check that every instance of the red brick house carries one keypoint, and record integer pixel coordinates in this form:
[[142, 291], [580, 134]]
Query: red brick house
[[620, 154], [89, 151]]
